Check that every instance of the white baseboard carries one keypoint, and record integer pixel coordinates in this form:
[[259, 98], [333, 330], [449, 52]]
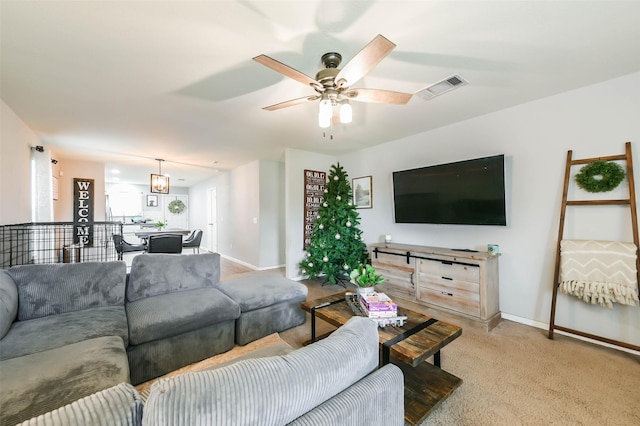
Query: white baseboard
[[525, 321], [233, 259], [267, 268], [250, 266], [545, 326]]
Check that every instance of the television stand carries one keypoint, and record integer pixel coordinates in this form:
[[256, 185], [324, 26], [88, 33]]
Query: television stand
[[461, 282]]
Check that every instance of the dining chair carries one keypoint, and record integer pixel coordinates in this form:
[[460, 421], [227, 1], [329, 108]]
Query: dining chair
[[165, 243], [193, 241], [124, 247]]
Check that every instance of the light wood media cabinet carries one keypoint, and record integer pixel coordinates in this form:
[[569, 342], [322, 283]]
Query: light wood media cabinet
[[461, 282]]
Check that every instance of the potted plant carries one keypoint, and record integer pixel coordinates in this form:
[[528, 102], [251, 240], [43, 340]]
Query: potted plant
[[365, 277], [159, 224]]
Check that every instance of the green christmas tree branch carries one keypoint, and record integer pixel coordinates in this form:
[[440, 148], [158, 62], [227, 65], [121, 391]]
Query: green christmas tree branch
[[336, 243]]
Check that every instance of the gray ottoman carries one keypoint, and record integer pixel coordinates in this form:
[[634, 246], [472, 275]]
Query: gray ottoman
[[268, 304]]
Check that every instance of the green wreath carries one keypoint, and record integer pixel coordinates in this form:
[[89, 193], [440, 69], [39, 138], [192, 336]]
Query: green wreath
[[600, 176], [176, 206]]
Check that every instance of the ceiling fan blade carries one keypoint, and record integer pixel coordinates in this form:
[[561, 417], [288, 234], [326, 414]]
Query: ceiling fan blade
[[364, 61], [292, 102], [378, 96], [286, 70]]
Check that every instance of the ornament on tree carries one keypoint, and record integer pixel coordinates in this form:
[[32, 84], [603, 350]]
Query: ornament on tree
[[336, 243]]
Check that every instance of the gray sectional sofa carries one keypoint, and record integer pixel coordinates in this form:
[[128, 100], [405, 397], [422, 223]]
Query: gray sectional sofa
[[332, 382], [176, 313], [70, 330]]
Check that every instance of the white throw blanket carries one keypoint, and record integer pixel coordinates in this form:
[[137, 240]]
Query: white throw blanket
[[601, 272]]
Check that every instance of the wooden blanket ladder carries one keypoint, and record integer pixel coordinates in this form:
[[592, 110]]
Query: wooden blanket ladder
[[631, 202]]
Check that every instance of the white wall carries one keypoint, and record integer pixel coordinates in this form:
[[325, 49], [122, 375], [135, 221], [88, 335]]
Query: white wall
[[296, 161], [16, 139], [271, 220], [535, 137], [237, 203], [72, 169], [250, 204], [242, 218]]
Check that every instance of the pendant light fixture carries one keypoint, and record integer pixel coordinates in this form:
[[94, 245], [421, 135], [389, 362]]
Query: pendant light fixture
[[159, 182]]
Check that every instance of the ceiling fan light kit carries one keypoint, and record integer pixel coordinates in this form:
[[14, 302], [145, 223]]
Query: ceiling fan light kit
[[346, 112], [326, 110], [325, 113], [332, 84]]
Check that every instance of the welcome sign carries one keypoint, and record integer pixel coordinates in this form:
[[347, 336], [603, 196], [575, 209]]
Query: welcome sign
[[83, 211]]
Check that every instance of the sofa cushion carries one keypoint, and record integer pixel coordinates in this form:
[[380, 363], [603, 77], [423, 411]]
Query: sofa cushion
[[258, 291], [155, 274], [41, 334], [8, 302], [167, 315], [58, 288], [118, 405], [37, 383], [268, 391]]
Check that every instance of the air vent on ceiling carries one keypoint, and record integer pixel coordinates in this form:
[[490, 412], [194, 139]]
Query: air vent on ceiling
[[441, 87]]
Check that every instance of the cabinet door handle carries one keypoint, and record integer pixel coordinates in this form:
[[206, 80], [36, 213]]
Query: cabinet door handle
[[447, 278], [446, 294], [413, 284]]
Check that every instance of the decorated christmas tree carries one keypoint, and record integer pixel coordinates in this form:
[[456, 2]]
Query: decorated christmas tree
[[336, 245]]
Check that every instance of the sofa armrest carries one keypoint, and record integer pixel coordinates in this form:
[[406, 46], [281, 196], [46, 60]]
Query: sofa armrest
[[377, 399], [268, 391], [8, 302], [118, 405]]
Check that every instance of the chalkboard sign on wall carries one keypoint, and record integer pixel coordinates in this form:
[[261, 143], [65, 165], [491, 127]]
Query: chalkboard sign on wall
[[314, 182]]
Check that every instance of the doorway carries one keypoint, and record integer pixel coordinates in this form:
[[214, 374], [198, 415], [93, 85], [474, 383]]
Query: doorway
[[212, 218]]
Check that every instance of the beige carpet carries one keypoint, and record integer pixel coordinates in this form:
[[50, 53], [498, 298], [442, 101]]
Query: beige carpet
[[271, 340], [514, 375]]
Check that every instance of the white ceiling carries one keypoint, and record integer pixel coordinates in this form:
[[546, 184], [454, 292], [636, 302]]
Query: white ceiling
[[124, 82]]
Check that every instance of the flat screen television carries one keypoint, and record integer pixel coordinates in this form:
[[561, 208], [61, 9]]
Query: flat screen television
[[470, 192]]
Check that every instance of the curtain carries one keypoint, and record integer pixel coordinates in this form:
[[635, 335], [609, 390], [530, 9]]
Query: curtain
[[41, 186]]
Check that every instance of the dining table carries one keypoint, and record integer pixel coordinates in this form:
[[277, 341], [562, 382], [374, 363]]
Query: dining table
[[144, 234]]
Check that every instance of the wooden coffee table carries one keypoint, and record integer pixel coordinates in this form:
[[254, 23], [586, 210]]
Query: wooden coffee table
[[426, 385]]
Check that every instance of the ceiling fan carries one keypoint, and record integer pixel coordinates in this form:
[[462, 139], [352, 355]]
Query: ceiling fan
[[333, 85]]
